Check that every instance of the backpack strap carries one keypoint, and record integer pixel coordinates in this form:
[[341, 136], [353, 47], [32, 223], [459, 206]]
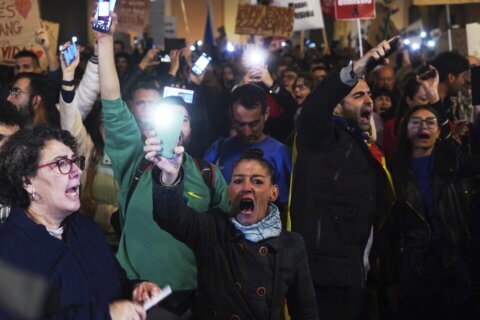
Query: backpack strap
[[143, 166], [208, 173]]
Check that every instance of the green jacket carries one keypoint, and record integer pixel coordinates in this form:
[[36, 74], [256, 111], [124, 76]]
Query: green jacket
[[145, 250]]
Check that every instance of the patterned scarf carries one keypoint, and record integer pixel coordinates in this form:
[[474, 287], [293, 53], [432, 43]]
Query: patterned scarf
[[268, 227]]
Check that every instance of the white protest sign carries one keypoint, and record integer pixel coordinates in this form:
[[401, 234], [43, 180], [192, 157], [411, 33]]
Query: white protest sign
[[170, 27], [308, 13], [473, 39]]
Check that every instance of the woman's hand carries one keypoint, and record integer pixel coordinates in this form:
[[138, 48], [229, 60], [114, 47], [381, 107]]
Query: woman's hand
[[69, 71], [126, 310], [170, 168], [144, 291]]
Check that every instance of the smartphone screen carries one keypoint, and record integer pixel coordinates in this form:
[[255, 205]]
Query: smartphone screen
[[103, 15], [185, 94], [201, 64], [70, 53]]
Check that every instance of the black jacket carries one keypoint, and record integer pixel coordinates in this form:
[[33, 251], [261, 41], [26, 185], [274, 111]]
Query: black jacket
[[338, 191], [413, 230], [238, 279]]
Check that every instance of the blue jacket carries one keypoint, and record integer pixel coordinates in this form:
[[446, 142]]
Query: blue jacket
[[82, 275]]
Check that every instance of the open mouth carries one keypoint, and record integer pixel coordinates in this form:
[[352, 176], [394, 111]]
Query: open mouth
[[74, 191], [366, 114], [423, 136], [246, 206]]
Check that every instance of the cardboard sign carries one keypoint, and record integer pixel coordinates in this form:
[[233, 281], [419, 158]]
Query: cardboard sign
[[308, 13], [264, 20], [434, 2], [354, 9], [19, 19], [7, 53], [132, 15]]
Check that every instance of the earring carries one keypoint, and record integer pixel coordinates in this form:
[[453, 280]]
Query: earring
[[34, 196]]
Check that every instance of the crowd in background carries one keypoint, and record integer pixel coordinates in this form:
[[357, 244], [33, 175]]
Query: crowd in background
[[377, 169]]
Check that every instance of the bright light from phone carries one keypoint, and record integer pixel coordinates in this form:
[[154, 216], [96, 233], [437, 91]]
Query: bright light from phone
[[74, 39], [430, 43], [283, 44], [230, 47], [423, 34], [164, 115], [254, 57], [415, 46], [192, 48], [406, 42], [199, 43], [312, 45]]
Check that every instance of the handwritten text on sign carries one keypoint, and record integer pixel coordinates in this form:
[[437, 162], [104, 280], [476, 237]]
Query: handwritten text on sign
[[264, 20], [19, 19]]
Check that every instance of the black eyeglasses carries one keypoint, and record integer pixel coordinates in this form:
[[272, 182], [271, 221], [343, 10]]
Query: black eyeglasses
[[416, 122], [64, 165]]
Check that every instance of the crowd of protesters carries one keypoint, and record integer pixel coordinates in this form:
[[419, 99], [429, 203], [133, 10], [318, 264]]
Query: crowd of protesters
[[376, 172]]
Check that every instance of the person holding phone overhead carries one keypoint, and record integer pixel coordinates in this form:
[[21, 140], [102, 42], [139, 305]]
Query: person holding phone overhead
[[145, 250]]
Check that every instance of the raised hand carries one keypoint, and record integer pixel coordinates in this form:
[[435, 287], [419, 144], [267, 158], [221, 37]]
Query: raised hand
[[144, 292]]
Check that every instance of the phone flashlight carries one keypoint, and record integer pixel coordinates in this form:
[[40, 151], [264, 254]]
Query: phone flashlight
[[167, 123], [254, 57]]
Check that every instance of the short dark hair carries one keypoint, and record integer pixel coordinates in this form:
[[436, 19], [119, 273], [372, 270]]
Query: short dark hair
[[28, 54], [381, 92], [146, 84], [307, 79], [250, 96], [450, 62], [41, 86], [255, 154], [10, 117], [19, 160]]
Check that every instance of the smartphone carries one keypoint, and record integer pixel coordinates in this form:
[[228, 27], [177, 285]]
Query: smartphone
[[431, 73], [185, 94], [102, 15], [164, 57], [70, 53], [394, 45], [254, 57], [167, 123], [201, 64]]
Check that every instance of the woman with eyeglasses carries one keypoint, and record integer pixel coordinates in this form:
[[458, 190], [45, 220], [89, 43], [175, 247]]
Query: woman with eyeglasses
[[45, 236], [431, 220]]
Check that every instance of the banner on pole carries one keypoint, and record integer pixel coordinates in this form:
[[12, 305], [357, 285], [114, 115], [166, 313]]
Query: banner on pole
[[264, 20], [354, 9], [308, 13], [436, 2], [19, 20], [7, 54]]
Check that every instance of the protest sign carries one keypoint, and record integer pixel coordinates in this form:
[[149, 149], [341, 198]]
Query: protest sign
[[308, 13], [435, 2], [473, 39], [354, 9], [264, 20], [19, 19], [132, 15], [7, 54]]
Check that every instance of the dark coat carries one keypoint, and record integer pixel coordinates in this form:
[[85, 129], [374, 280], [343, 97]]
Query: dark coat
[[238, 279], [338, 190], [82, 275]]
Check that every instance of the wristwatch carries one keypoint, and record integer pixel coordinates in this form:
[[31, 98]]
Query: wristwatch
[[274, 89]]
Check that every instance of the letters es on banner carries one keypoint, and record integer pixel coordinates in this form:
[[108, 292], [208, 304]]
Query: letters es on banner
[[436, 2], [354, 9], [308, 13], [264, 20], [7, 54], [19, 19]]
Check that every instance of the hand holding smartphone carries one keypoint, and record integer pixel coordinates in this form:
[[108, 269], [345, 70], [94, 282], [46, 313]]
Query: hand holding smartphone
[[70, 53], [372, 63], [431, 73], [201, 64], [102, 15]]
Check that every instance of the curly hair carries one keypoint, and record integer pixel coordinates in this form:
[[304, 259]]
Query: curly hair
[[19, 160]]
